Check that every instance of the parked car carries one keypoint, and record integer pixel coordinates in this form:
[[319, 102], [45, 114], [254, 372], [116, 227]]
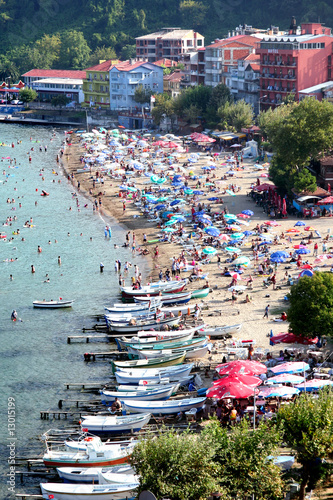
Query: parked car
[[16, 102]]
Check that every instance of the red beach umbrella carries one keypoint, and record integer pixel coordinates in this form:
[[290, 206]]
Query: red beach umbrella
[[231, 389], [249, 380], [242, 367]]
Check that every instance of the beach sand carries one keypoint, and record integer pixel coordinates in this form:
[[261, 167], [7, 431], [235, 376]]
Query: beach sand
[[221, 311]]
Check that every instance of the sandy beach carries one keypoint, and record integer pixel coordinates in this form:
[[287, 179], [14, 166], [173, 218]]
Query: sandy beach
[[221, 309]]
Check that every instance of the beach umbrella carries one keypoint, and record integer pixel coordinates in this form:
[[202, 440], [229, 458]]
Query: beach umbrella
[[132, 189], [248, 233], [197, 192], [209, 251], [292, 230], [244, 378], [237, 236], [271, 223], [242, 367], [309, 228], [265, 243], [234, 227], [176, 202], [248, 212], [286, 378], [300, 223], [179, 218], [290, 338], [230, 192], [188, 191], [277, 392], [230, 216], [154, 178], [160, 206], [306, 272], [224, 237], [163, 198], [242, 261], [171, 222], [320, 258], [233, 250], [290, 367], [231, 389], [168, 230], [314, 385], [205, 168], [302, 251], [161, 180], [280, 256], [212, 231], [243, 216], [213, 198]]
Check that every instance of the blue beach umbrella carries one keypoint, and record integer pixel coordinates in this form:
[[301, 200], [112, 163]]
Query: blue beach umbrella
[[248, 212], [265, 243], [197, 192], [290, 367], [179, 218], [314, 385], [300, 223], [209, 251], [302, 251], [212, 231], [248, 233], [213, 198], [279, 257], [175, 202], [233, 250], [237, 236], [160, 206]]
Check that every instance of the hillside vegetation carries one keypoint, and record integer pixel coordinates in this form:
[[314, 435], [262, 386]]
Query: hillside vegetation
[[76, 33]]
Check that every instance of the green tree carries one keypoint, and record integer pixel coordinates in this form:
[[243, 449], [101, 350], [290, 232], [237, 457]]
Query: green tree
[[242, 455], [48, 48], [193, 13], [176, 466], [27, 95], [163, 107], [236, 115], [193, 96], [220, 95], [142, 95], [74, 51], [269, 121], [307, 427], [311, 305], [127, 52], [60, 100], [102, 54]]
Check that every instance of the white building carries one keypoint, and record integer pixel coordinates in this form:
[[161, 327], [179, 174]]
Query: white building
[[47, 88]]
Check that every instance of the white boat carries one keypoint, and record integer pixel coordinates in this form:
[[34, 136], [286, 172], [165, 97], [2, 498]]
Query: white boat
[[164, 407], [94, 454], [136, 325], [150, 338], [148, 386], [161, 393], [190, 352], [121, 308], [176, 345], [101, 425], [108, 491], [223, 330], [172, 373], [52, 304], [153, 289], [91, 475], [167, 299]]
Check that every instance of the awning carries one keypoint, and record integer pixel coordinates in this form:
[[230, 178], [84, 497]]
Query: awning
[[305, 198], [226, 137], [241, 136]]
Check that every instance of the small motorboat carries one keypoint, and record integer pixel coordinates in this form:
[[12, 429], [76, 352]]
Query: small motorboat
[[134, 325], [220, 331], [176, 345], [200, 294], [91, 475], [167, 298], [161, 393], [168, 360], [101, 425], [164, 407], [171, 373], [90, 452], [153, 289], [191, 352], [52, 304], [108, 491]]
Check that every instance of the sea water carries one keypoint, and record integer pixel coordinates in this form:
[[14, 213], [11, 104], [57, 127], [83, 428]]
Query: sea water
[[35, 359]]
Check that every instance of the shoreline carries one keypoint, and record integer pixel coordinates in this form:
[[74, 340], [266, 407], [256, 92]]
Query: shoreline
[[221, 309]]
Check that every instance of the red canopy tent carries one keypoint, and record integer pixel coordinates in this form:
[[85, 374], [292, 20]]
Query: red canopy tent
[[290, 338], [326, 201], [264, 187]]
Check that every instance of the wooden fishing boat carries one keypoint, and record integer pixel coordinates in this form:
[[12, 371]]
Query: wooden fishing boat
[[121, 308], [101, 425], [94, 454], [108, 397], [190, 352], [200, 294], [135, 325], [220, 331], [151, 338], [148, 386], [91, 475], [171, 373], [195, 342], [164, 407], [167, 299], [169, 360], [153, 289], [52, 304], [108, 491]]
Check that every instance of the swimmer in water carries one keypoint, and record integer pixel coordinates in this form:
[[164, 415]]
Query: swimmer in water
[[33, 268]]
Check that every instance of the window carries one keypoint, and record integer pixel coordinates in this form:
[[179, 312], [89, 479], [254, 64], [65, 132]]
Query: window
[[199, 43]]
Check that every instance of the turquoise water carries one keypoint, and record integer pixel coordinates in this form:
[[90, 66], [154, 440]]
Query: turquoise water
[[35, 359]]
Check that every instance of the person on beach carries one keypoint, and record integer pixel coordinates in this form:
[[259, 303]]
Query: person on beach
[[266, 312]]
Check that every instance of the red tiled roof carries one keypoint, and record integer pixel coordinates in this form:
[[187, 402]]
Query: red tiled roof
[[168, 63], [128, 66], [252, 57], [174, 77], [243, 39], [56, 73], [104, 66]]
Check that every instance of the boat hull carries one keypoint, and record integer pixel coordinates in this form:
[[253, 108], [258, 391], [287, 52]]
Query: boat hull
[[200, 294], [52, 304], [87, 492], [165, 407], [108, 462], [224, 330], [76, 475], [127, 328], [173, 360], [108, 397], [174, 298]]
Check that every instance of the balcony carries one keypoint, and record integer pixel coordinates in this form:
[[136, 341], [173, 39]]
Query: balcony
[[133, 81], [211, 58]]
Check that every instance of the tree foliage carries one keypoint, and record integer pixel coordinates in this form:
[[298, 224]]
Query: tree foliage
[[163, 107], [307, 427], [142, 95], [195, 99], [102, 54], [269, 121], [236, 115], [27, 95], [74, 50], [242, 455], [311, 305], [176, 466]]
